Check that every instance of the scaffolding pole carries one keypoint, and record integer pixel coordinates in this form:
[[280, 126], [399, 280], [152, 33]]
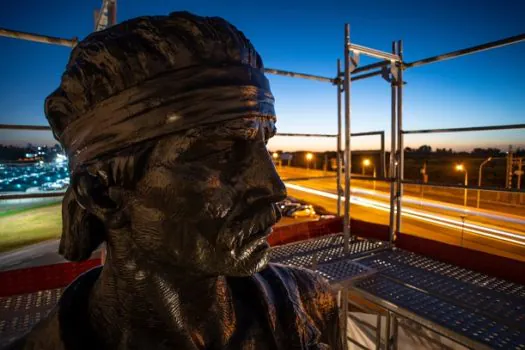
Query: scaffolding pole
[[339, 127], [24, 127], [374, 53], [470, 50], [299, 75], [393, 146], [348, 162], [305, 135], [382, 159], [467, 129], [15, 34], [348, 155], [400, 141]]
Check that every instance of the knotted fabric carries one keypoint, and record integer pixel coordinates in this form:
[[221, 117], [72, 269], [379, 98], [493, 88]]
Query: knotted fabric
[[168, 103]]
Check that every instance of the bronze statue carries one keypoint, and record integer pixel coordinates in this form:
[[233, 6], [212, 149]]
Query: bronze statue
[[165, 120]]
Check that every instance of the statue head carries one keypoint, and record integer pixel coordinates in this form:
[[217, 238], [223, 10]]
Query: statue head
[[165, 122]]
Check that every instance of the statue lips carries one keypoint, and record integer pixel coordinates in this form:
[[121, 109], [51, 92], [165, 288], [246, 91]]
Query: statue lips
[[256, 240], [255, 243]]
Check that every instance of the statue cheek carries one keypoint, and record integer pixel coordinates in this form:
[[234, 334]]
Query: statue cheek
[[219, 202]]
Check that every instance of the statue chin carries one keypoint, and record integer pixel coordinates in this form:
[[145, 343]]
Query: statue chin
[[256, 261]]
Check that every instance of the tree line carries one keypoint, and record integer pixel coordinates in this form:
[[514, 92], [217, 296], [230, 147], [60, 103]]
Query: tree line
[[478, 151]]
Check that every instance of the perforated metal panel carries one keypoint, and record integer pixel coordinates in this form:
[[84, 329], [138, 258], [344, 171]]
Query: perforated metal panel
[[458, 273], [305, 247], [342, 270], [326, 256], [322, 250], [20, 313], [433, 277], [449, 315]]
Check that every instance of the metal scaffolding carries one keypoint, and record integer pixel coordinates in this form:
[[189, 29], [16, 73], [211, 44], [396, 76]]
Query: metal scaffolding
[[390, 67]]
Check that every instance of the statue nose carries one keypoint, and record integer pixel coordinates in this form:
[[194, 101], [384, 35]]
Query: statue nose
[[264, 182]]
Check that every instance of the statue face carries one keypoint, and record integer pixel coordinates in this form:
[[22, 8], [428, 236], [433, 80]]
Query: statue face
[[206, 202]]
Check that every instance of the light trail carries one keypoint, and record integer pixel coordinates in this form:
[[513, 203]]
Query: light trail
[[437, 205], [432, 218]]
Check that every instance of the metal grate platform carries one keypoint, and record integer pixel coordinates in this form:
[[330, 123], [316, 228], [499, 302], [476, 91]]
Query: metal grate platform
[[461, 274], [449, 315], [306, 247], [326, 256], [323, 250], [20, 313], [342, 271], [434, 277]]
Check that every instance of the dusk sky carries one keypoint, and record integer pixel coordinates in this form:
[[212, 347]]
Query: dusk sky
[[307, 36]]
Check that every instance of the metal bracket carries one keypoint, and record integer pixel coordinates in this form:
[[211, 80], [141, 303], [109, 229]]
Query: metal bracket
[[394, 71], [338, 81], [385, 74], [354, 61]]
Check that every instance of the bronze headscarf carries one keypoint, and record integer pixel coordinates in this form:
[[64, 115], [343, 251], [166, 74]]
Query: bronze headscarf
[[153, 76]]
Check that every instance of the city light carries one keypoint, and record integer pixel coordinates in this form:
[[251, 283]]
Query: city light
[[461, 167], [60, 159]]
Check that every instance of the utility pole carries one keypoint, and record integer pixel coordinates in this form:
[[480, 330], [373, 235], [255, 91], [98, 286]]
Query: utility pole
[[519, 172], [425, 177], [424, 172], [480, 174], [508, 177]]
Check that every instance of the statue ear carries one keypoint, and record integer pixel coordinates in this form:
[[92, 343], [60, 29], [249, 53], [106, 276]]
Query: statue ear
[[92, 193], [89, 208], [82, 232]]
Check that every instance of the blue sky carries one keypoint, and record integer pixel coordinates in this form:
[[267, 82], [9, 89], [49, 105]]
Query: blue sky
[[483, 89]]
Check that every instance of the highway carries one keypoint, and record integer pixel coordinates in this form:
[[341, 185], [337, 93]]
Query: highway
[[440, 218]]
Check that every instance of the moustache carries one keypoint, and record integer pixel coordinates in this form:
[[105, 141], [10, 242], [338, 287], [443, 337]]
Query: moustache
[[254, 221]]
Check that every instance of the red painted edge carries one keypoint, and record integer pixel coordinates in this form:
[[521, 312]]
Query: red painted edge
[[33, 279]]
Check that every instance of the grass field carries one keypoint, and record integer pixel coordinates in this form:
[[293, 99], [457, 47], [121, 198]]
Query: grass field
[[26, 226]]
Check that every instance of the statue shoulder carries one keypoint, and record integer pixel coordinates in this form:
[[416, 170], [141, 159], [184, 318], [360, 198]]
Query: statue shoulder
[[309, 283], [316, 295]]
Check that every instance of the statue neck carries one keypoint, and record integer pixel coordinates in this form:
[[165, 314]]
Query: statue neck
[[132, 303]]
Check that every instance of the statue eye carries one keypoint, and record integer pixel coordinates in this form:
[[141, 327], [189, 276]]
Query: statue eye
[[208, 151]]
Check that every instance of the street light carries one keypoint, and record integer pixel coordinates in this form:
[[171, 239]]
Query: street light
[[366, 162], [309, 156], [461, 167], [276, 159], [479, 178]]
